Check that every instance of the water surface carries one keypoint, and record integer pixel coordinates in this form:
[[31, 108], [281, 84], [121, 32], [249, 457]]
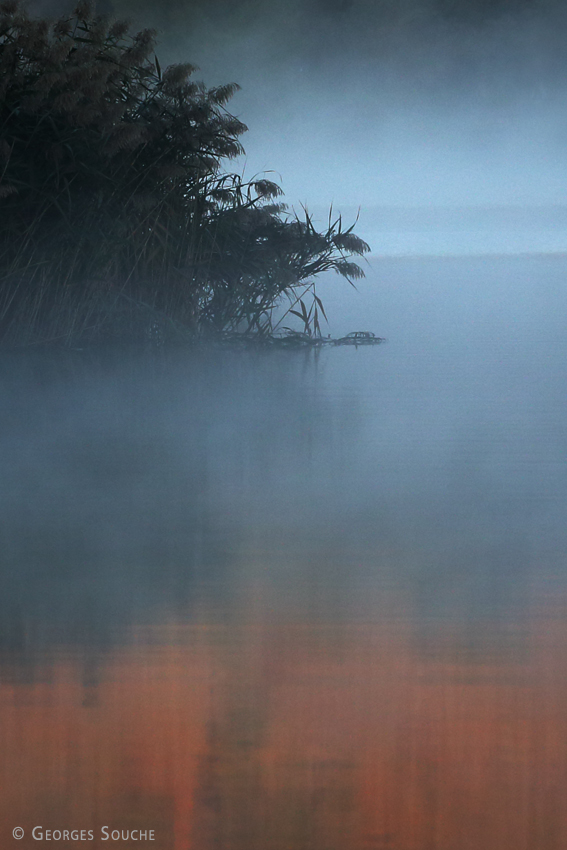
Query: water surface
[[285, 601]]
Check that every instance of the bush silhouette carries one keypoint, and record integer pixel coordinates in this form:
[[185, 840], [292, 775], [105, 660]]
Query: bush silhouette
[[117, 216]]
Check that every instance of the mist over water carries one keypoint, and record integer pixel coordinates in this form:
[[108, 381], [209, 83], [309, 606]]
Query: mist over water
[[236, 584], [132, 483], [317, 600]]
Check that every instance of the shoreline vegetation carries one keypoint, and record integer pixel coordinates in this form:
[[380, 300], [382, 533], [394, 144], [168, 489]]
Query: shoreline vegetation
[[119, 222]]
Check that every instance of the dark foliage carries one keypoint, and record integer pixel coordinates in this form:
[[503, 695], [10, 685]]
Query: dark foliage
[[116, 216]]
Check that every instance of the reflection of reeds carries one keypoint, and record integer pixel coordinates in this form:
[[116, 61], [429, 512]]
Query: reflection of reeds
[[117, 219]]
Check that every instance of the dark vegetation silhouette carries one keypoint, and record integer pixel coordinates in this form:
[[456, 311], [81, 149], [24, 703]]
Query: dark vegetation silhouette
[[118, 219]]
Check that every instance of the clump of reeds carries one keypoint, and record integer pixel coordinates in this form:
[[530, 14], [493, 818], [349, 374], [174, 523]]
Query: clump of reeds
[[117, 219]]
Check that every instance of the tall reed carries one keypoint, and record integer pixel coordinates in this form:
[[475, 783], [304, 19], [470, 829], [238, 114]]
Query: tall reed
[[118, 219]]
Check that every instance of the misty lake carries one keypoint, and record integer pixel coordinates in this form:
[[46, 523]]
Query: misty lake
[[290, 601]]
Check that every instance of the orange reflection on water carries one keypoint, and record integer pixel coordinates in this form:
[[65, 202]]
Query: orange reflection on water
[[272, 736]]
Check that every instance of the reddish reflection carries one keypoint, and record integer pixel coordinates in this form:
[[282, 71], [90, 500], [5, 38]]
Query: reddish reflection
[[272, 736]]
